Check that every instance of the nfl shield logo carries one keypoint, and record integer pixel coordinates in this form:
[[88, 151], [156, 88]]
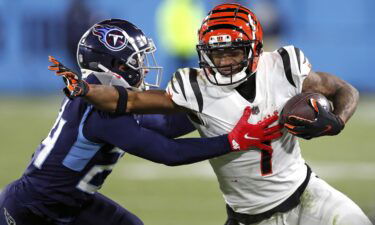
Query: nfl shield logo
[[9, 218]]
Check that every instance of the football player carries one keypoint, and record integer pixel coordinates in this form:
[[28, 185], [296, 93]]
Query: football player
[[60, 185], [261, 186]]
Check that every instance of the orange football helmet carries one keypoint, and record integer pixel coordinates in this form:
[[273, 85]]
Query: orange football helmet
[[230, 26]]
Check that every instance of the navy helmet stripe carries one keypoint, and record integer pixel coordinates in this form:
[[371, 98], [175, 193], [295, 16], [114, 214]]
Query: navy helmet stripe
[[287, 67], [193, 74]]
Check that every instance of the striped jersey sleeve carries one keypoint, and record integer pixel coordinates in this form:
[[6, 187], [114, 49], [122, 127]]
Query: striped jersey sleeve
[[184, 89], [296, 65]]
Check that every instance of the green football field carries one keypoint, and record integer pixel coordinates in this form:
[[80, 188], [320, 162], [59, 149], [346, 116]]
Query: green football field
[[189, 194]]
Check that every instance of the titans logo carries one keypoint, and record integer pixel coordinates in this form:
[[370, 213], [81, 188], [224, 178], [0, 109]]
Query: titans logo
[[112, 37]]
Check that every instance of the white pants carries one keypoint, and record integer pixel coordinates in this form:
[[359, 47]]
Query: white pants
[[321, 204]]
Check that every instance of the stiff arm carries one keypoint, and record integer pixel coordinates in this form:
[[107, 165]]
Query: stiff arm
[[146, 102]]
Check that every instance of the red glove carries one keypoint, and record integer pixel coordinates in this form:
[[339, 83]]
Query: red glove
[[75, 86], [245, 135]]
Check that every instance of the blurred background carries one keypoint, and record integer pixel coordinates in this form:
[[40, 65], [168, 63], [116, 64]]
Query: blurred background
[[336, 36]]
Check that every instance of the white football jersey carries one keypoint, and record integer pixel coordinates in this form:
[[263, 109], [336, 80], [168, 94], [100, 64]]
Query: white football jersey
[[254, 181]]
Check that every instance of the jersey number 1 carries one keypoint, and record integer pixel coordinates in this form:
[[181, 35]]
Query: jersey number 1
[[266, 162]]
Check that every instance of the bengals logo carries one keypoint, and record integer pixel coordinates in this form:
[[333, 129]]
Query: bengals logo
[[220, 39], [112, 37]]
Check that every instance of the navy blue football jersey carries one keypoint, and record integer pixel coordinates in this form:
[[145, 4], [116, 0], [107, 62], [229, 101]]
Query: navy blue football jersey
[[85, 144]]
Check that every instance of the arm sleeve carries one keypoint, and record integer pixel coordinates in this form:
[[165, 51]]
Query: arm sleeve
[[125, 133], [174, 125]]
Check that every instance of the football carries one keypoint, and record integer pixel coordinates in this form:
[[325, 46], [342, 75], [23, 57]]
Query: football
[[299, 106]]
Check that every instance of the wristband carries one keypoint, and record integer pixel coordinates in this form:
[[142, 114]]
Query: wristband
[[122, 100]]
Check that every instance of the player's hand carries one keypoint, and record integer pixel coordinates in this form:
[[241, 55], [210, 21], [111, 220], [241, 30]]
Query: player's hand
[[325, 123], [75, 86], [245, 135]]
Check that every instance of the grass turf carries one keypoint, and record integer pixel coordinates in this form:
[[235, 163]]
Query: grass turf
[[181, 200]]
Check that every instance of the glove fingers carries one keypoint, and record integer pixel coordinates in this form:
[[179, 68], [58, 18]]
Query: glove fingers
[[69, 75], [296, 120], [53, 68], [289, 126], [245, 116], [315, 104], [53, 60], [269, 120], [292, 132], [272, 136], [298, 129], [56, 64], [273, 129]]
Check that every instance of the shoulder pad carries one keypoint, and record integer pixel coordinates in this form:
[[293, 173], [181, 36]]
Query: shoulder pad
[[184, 89], [295, 63]]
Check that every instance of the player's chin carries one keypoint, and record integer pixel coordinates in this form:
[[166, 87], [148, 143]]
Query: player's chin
[[228, 72], [225, 73]]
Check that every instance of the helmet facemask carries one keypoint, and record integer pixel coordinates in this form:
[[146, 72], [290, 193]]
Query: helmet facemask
[[120, 50], [145, 63], [230, 73], [135, 68], [229, 28]]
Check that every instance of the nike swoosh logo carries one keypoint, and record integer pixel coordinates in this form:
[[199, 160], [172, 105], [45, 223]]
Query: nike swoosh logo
[[250, 138]]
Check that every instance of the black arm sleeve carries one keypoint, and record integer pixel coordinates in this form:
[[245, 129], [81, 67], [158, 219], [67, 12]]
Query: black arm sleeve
[[125, 133]]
